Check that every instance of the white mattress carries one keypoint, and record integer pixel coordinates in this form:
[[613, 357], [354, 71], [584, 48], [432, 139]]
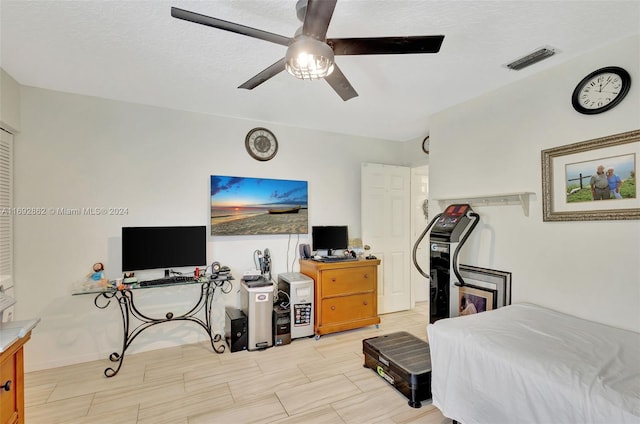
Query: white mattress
[[527, 364]]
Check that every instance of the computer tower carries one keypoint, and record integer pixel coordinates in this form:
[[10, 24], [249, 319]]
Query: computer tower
[[299, 289], [281, 326], [256, 300], [235, 329]]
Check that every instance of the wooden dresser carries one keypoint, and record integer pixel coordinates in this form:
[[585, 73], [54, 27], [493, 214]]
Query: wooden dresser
[[12, 382], [13, 336], [346, 294]]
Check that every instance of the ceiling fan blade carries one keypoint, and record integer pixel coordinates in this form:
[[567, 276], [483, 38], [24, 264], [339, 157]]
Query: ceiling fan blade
[[229, 26], [341, 84], [386, 45], [270, 72], [317, 18]]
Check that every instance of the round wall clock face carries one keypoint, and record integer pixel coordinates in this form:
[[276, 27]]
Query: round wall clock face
[[261, 144], [601, 90], [425, 145]]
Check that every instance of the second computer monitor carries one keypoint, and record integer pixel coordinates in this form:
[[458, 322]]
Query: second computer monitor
[[329, 238]]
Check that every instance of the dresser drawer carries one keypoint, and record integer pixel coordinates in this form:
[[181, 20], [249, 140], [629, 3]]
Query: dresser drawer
[[8, 398], [336, 282], [348, 308]]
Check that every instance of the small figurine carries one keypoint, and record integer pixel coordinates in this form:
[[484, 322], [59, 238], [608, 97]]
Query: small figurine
[[130, 277], [98, 274]]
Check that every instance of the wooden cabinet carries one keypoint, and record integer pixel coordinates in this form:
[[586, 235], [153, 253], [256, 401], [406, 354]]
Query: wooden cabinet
[[12, 382], [346, 294]]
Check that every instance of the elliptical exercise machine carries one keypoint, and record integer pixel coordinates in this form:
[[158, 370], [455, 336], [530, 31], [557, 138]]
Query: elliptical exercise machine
[[450, 231]]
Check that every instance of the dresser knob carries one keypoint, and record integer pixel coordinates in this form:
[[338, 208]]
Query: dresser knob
[[365, 303], [333, 308], [7, 386], [366, 275], [333, 280]]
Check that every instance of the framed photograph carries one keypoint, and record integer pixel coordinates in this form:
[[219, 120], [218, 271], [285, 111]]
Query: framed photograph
[[474, 301], [250, 206], [493, 281], [592, 180]]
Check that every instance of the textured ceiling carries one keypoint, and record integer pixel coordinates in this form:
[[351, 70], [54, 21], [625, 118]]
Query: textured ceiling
[[135, 51]]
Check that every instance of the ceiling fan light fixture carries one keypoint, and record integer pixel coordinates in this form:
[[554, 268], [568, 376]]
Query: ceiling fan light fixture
[[308, 58]]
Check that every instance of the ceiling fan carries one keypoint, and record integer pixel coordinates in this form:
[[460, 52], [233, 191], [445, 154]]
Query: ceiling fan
[[310, 54]]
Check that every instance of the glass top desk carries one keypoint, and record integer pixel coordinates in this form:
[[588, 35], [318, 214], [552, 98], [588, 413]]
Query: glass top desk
[[135, 321]]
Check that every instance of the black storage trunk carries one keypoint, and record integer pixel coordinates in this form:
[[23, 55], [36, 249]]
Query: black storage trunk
[[404, 361]]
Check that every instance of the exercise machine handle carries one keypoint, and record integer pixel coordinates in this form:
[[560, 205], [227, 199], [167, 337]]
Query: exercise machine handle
[[415, 246], [476, 219]]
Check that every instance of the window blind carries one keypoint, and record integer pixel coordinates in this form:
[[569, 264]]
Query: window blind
[[6, 203]]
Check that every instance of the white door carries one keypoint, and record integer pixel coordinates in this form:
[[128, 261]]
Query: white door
[[385, 217]]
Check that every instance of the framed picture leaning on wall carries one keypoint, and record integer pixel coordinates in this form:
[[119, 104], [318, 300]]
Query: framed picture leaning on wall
[[487, 288], [592, 180]]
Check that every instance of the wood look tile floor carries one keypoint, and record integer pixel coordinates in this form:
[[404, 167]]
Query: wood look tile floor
[[307, 381]]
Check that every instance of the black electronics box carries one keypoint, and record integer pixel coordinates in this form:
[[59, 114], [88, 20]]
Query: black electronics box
[[235, 329], [402, 360], [281, 325]]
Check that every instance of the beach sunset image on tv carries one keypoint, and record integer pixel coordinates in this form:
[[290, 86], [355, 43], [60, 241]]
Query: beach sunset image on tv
[[243, 206]]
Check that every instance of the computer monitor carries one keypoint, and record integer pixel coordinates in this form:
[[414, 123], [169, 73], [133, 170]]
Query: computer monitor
[[330, 238], [163, 247]]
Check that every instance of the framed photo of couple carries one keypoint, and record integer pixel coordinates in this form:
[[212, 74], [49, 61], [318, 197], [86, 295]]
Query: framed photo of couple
[[592, 180]]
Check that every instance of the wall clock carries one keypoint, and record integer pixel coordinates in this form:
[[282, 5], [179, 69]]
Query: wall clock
[[261, 144], [425, 145], [601, 90]]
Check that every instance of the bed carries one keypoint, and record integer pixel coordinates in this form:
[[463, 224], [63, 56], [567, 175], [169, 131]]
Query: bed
[[523, 363]]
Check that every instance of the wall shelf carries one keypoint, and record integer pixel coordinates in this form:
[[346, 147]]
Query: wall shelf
[[521, 198]]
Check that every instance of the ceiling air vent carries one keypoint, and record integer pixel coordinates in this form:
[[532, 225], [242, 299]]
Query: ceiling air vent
[[531, 58]]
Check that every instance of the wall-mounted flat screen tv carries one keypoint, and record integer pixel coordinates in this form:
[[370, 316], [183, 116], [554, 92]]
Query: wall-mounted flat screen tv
[[250, 206], [163, 247]]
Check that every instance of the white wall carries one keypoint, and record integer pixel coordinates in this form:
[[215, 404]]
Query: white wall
[[419, 194], [77, 151], [9, 102], [493, 145]]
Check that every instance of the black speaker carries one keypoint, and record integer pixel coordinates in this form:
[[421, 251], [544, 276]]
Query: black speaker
[[281, 325], [305, 251], [235, 329]]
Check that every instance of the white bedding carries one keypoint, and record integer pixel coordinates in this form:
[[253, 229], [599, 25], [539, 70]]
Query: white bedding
[[527, 364]]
